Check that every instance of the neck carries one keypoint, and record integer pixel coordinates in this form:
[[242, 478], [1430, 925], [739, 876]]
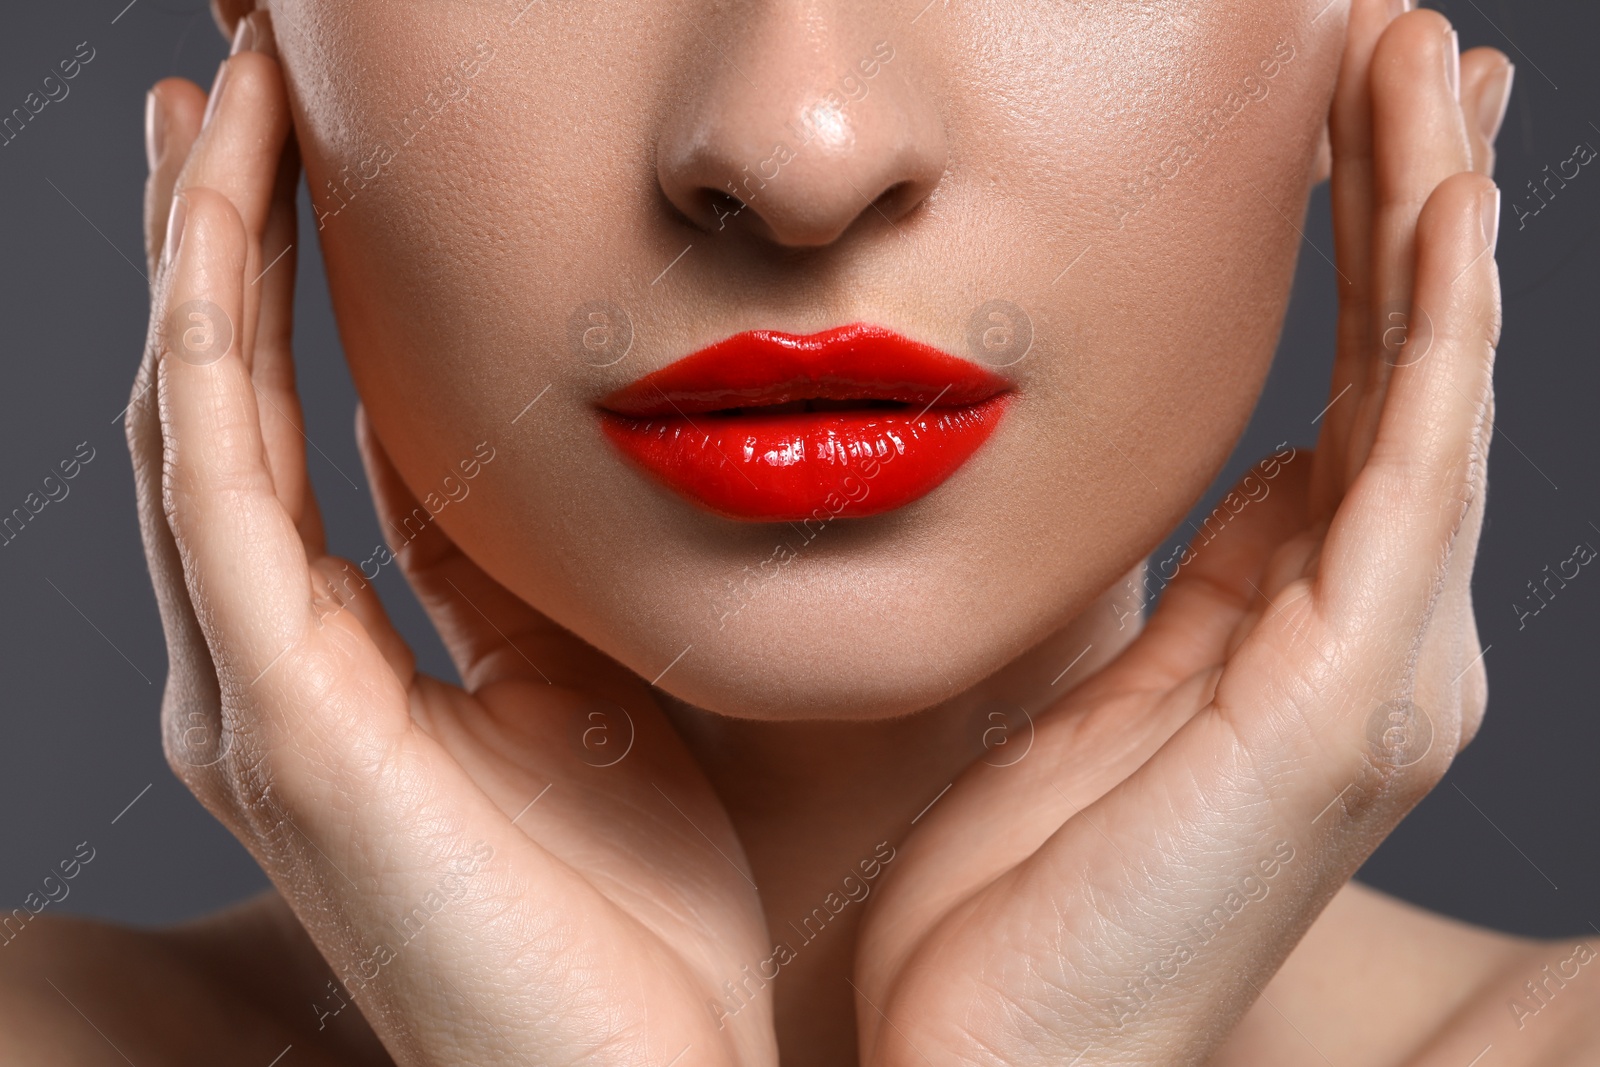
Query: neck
[[822, 806]]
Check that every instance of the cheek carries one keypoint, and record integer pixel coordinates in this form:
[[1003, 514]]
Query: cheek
[[1131, 193], [486, 208]]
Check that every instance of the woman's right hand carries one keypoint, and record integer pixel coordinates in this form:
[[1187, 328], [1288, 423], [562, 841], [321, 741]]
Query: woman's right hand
[[487, 887]]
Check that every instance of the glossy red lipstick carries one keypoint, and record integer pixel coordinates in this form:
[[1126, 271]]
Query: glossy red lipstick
[[781, 427]]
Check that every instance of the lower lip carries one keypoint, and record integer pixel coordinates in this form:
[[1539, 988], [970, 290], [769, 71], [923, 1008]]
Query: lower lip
[[806, 465]]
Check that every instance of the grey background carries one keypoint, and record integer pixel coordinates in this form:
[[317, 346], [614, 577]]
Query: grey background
[[1504, 841]]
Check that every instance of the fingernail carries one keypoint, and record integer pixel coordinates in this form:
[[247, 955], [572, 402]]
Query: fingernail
[[217, 89], [1396, 8], [244, 37], [175, 224], [155, 128], [1489, 216], [1452, 65], [254, 35], [1492, 100]]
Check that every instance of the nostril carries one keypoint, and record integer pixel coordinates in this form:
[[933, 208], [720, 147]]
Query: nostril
[[890, 200], [720, 208], [717, 210]]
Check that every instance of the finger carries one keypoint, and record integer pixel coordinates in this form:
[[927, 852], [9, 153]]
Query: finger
[[232, 532], [490, 633], [1419, 140], [1217, 580], [1486, 78], [172, 122], [1350, 139], [273, 369], [1424, 483], [241, 152], [1390, 548], [1450, 666], [1454, 666], [190, 699], [341, 586], [175, 117], [245, 123], [242, 137]]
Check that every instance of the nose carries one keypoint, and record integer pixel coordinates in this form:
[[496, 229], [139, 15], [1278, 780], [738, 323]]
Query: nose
[[797, 128]]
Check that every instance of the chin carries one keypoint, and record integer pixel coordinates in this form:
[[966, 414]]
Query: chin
[[820, 650], [873, 619]]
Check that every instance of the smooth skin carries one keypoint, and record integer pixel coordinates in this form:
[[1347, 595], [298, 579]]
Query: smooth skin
[[1021, 909]]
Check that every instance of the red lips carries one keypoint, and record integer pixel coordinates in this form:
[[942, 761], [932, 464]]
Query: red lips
[[774, 427]]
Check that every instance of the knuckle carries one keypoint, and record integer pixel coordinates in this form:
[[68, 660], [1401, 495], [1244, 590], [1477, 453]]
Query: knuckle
[[136, 419], [188, 494], [1493, 320], [1474, 701], [253, 778], [1404, 755], [1405, 43], [194, 743]]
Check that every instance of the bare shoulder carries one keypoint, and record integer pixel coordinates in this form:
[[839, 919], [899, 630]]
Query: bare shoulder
[[1539, 1008], [73, 991], [1379, 981], [84, 993]]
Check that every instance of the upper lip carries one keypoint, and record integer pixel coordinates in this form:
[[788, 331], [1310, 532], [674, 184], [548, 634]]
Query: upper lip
[[846, 366]]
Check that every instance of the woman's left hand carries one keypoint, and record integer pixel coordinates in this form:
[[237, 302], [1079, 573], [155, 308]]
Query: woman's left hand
[[1123, 894]]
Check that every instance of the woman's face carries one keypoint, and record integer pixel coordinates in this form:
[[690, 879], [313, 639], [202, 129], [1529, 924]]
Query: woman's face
[[527, 206]]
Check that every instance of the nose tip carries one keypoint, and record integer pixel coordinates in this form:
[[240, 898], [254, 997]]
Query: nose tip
[[799, 154]]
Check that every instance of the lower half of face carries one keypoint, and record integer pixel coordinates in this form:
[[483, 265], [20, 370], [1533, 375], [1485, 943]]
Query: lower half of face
[[834, 354]]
